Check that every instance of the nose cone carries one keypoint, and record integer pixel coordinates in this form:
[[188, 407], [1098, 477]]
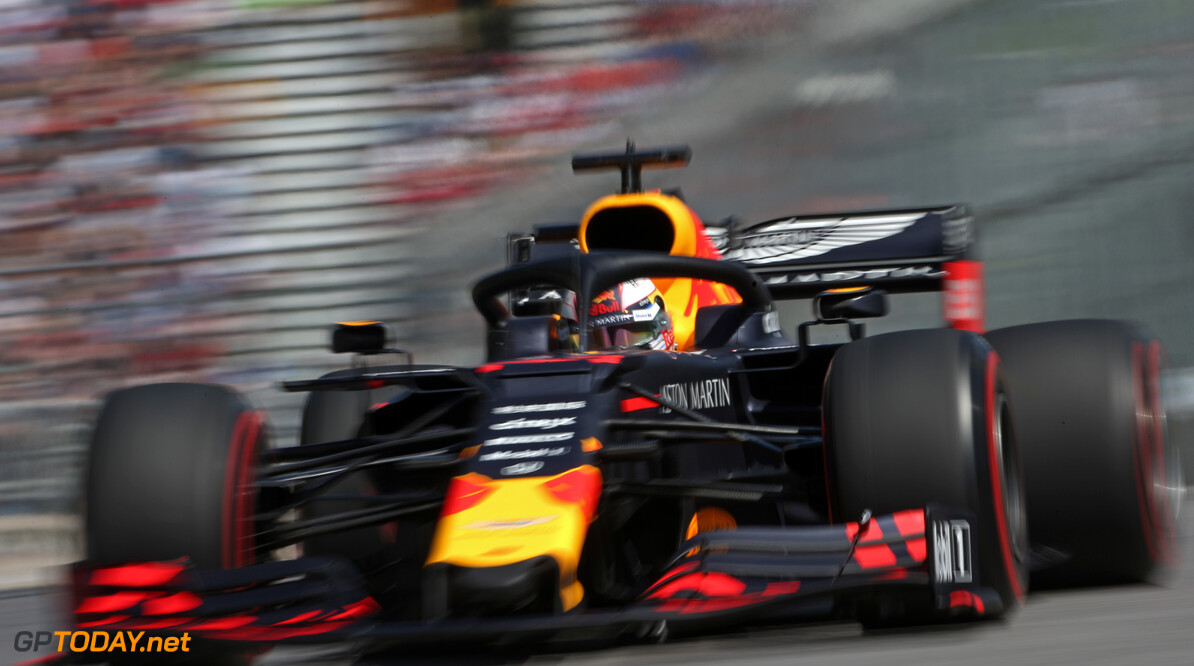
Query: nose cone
[[497, 539], [528, 586]]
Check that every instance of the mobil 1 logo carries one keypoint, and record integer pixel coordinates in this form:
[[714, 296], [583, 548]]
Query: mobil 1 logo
[[952, 553], [524, 437]]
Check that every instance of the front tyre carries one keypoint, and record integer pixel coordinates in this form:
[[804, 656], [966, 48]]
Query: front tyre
[[171, 475], [920, 417]]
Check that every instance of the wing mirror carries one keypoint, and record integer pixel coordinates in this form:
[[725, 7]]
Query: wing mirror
[[843, 306], [361, 337], [850, 303]]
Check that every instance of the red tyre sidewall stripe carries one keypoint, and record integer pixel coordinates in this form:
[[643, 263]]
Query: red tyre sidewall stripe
[[1148, 451], [247, 506], [238, 494], [228, 548], [1005, 546]]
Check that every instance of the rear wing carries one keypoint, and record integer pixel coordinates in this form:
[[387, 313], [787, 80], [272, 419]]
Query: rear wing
[[900, 251]]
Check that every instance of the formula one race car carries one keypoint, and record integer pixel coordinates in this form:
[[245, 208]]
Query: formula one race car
[[581, 483]]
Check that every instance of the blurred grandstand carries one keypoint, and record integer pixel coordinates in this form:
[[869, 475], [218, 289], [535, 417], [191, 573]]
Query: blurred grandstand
[[193, 189]]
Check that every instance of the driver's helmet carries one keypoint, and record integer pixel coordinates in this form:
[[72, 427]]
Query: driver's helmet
[[630, 315]]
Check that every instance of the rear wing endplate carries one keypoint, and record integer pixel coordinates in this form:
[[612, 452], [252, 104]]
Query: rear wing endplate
[[898, 250]]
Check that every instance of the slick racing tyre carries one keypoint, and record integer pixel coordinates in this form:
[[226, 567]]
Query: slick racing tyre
[[330, 416], [921, 417], [334, 415], [1103, 482], [171, 475]]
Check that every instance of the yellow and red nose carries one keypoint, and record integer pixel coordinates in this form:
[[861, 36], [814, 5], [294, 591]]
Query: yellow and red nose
[[489, 523]]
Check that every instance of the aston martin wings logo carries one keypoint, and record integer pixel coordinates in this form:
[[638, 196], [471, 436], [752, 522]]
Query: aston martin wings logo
[[785, 240]]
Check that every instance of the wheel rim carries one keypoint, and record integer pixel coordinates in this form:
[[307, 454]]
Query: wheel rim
[[1168, 480], [1160, 483], [1169, 488], [1009, 475]]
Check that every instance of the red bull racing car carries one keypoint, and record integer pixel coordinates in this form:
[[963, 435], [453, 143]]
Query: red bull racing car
[[587, 483]]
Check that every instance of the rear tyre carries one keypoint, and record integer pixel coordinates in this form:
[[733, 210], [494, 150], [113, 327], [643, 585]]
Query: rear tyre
[[171, 475], [337, 415], [920, 417], [333, 415], [1102, 481], [330, 416]]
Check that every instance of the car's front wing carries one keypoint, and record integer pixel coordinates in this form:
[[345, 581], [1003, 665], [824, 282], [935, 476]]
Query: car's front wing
[[724, 576]]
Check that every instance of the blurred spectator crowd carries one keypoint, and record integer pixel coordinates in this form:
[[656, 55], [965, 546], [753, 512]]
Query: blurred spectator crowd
[[168, 168]]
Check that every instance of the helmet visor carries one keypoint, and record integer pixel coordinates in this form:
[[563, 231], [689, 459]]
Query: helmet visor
[[627, 334], [622, 336]]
